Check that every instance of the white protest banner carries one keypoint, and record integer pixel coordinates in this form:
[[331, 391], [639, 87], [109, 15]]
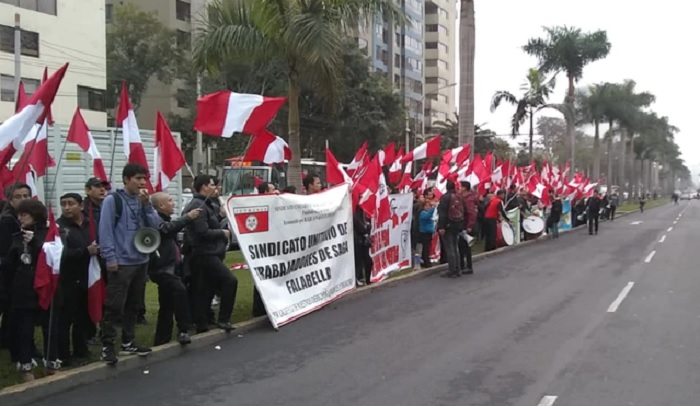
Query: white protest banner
[[299, 248], [391, 241]]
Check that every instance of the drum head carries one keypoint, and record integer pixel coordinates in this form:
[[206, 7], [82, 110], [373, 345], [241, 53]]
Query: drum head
[[533, 225], [507, 232]]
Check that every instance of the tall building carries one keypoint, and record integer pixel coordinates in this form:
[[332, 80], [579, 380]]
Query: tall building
[[178, 15], [54, 32], [397, 50], [440, 61]]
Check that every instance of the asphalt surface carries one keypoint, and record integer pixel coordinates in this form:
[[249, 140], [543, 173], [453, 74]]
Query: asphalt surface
[[546, 325]]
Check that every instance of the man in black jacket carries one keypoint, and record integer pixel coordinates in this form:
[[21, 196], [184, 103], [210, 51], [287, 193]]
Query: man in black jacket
[[206, 244], [9, 226], [451, 215], [79, 247], [593, 211], [95, 193], [164, 270]]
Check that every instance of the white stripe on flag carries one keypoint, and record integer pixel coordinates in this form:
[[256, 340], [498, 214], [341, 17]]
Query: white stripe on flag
[[240, 107]]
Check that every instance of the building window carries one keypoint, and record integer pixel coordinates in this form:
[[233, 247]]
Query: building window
[[183, 39], [385, 57], [436, 28], [414, 86], [7, 87], [385, 36], [30, 41], [438, 97], [91, 99], [397, 60], [415, 25], [437, 62], [182, 96], [413, 44], [413, 64], [378, 30], [397, 39], [109, 11], [414, 5], [42, 6], [433, 80], [182, 10]]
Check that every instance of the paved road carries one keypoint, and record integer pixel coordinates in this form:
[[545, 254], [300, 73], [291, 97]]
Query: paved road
[[546, 325]]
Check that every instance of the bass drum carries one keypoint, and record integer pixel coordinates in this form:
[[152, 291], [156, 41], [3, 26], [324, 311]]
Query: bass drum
[[504, 234], [533, 225]]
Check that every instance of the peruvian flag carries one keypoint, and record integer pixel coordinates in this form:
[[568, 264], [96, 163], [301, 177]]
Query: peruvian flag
[[48, 265], [79, 133], [96, 290], [406, 181], [223, 113], [167, 156], [457, 155], [387, 156], [358, 160], [423, 151], [34, 112], [395, 169], [268, 148], [366, 188], [133, 147], [335, 173]]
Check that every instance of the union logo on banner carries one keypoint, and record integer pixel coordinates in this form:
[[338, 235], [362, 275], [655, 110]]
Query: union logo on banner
[[252, 219]]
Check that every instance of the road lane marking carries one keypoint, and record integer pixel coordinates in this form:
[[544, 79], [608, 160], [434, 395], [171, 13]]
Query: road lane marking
[[634, 223], [663, 238], [670, 229], [614, 305], [649, 257], [675, 222], [547, 401]]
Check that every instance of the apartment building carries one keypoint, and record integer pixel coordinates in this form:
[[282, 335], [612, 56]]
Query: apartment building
[[178, 15], [440, 61], [54, 32]]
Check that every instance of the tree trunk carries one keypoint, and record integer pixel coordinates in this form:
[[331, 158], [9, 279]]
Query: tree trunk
[[596, 152], [570, 125], [633, 173], [467, 46], [609, 180], [294, 166], [623, 162], [532, 130]]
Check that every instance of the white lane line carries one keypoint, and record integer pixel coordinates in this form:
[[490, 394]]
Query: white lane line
[[675, 222], [649, 257], [614, 305], [547, 401], [670, 229], [663, 238]]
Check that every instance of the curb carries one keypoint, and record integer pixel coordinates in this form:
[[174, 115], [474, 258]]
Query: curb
[[27, 393]]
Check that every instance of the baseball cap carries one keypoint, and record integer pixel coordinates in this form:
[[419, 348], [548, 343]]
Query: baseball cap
[[96, 182]]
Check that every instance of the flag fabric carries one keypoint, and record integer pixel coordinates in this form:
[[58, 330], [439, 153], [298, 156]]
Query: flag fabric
[[395, 169], [268, 148], [78, 133], [167, 156], [133, 147], [358, 160], [335, 173], [424, 151], [366, 188], [96, 290], [33, 112], [224, 113], [48, 265]]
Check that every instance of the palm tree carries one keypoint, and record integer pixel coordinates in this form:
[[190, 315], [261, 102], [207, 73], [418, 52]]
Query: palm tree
[[568, 50], [467, 32], [631, 119], [306, 36], [591, 104], [537, 91]]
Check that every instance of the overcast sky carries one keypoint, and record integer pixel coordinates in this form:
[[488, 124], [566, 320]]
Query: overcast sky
[[652, 43]]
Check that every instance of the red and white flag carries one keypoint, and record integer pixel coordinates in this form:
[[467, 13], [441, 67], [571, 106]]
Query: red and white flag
[[423, 151], [79, 133], [96, 290], [34, 112], [224, 113], [268, 148], [133, 147], [335, 173], [167, 156], [48, 265], [358, 160]]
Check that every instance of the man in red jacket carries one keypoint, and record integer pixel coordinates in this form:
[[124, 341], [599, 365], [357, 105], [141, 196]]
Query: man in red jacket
[[471, 202]]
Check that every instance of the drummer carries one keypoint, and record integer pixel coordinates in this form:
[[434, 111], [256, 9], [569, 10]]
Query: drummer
[[494, 209]]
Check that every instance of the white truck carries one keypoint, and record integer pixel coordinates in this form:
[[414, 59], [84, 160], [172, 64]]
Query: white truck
[[74, 167]]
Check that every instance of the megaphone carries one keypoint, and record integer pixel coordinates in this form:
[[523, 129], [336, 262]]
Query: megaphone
[[147, 240]]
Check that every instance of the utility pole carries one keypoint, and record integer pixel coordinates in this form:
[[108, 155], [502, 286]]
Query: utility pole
[[18, 55], [198, 153]]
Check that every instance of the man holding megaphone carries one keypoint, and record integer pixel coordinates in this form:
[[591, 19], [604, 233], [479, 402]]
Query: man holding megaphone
[[165, 269], [125, 213]]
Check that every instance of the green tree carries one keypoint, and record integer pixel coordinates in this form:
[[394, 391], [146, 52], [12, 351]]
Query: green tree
[[536, 92], [553, 132], [139, 48], [306, 36], [568, 50], [485, 140], [591, 106]]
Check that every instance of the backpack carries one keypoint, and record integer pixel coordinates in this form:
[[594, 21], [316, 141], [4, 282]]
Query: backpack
[[455, 211]]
